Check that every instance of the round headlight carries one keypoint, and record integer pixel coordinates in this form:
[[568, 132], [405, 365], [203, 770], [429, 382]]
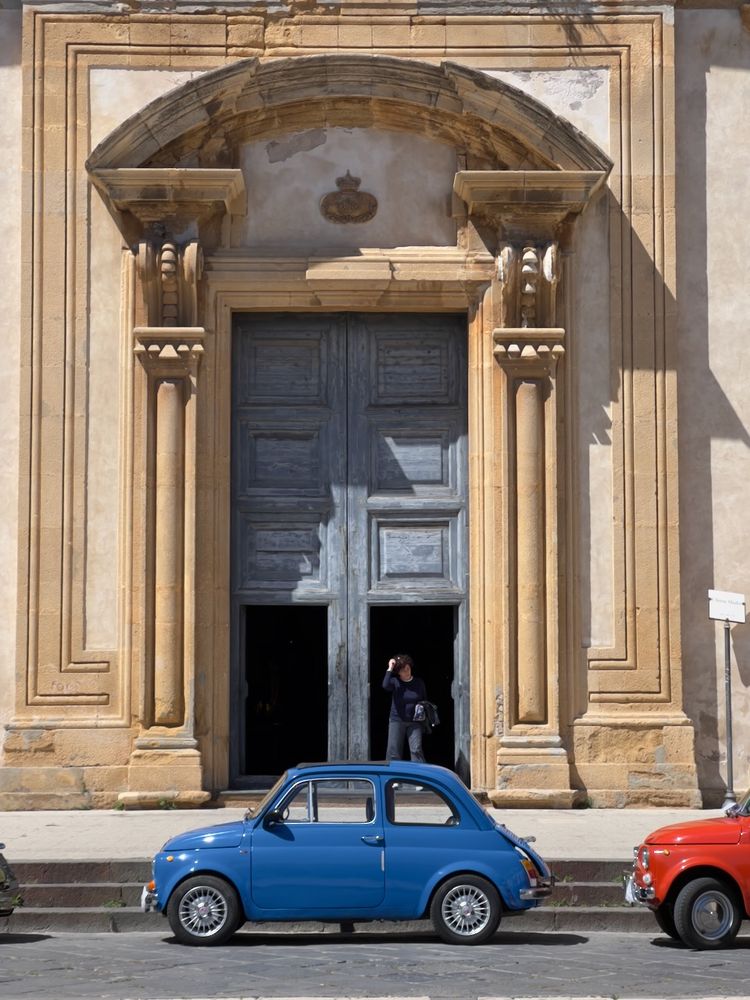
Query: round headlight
[[647, 878]]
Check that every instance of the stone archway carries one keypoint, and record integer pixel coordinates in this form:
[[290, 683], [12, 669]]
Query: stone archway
[[172, 170]]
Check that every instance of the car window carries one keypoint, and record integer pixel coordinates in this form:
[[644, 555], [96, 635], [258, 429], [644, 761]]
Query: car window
[[414, 803], [331, 801]]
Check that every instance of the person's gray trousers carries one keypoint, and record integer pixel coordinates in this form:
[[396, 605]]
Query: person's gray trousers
[[399, 731]]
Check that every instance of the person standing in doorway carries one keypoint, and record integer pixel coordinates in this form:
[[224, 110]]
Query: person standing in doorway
[[406, 691]]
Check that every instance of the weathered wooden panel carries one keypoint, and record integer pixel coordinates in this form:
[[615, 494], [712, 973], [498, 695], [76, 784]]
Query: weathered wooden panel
[[280, 369], [278, 554], [289, 467], [280, 460], [404, 460], [407, 371], [406, 551]]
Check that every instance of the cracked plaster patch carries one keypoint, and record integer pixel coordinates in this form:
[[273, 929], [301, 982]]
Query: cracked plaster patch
[[579, 95]]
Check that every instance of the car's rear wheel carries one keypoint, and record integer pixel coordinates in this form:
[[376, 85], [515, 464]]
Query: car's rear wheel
[[466, 910], [707, 914], [665, 919], [204, 910]]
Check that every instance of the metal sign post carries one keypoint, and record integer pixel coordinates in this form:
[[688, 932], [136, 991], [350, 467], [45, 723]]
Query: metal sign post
[[727, 607]]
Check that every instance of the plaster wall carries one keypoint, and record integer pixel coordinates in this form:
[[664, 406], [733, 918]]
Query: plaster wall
[[713, 233], [10, 331], [411, 177]]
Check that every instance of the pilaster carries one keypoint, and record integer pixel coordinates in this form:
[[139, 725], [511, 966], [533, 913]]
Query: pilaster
[[533, 215], [166, 763]]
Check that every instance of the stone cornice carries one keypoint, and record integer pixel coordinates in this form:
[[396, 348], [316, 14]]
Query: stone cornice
[[172, 197], [527, 203]]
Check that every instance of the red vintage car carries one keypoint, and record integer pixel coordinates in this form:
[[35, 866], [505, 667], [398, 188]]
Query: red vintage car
[[695, 877]]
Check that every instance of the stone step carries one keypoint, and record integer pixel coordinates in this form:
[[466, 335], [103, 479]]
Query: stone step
[[136, 871], [579, 919], [114, 894], [81, 894], [123, 894], [104, 896]]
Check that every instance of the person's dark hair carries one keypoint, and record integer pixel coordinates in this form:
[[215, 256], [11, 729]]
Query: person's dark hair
[[403, 660]]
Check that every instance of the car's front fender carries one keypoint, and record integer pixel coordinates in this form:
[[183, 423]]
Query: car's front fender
[[219, 862]]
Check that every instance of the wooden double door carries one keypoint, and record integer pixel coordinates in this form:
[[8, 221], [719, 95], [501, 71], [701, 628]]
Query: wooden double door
[[349, 534]]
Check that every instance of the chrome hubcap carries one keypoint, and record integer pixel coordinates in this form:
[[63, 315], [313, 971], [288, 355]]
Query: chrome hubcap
[[203, 911], [712, 915], [466, 910]]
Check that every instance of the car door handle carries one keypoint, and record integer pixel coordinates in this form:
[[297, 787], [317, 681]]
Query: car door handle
[[375, 839]]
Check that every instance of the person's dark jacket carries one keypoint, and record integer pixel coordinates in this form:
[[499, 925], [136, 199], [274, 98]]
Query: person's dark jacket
[[405, 695]]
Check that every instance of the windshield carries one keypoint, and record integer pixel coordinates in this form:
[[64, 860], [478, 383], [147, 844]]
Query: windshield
[[741, 807], [270, 794]]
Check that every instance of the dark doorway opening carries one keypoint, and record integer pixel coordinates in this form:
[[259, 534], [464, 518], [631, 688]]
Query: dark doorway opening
[[286, 675], [428, 634]]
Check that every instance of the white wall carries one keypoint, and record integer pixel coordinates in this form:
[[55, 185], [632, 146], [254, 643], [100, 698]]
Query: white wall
[[10, 338], [713, 291]]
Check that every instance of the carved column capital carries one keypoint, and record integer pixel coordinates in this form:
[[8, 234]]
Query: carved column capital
[[531, 352], [169, 352]]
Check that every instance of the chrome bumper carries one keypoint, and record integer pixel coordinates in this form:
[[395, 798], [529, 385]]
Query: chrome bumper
[[636, 893], [540, 891], [149, 900]]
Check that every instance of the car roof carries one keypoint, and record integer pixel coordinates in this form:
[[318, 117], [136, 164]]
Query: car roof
[[377, 766]]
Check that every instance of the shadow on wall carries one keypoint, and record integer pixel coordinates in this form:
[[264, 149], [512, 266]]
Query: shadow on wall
[[10, 37], [705, 42], [706, 416]]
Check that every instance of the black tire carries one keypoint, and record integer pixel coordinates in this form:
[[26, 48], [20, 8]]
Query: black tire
[[707, 914], [204, 910], [665, 920], [466, 910]]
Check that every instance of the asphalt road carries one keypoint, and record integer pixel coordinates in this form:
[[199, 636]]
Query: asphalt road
[[514, 964]]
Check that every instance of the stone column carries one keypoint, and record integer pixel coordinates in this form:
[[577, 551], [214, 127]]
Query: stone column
[[531, 660], [165, 765], [169, 694]]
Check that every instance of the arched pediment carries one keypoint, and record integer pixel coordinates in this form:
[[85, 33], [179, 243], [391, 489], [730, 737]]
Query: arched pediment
[[203, 122]]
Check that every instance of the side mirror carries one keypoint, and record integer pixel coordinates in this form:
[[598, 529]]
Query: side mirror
[[273, 817]]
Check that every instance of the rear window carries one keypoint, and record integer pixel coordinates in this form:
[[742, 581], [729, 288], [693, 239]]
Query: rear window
[[412, 803]]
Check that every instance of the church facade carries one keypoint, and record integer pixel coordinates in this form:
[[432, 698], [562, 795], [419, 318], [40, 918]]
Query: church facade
[[337, 331]]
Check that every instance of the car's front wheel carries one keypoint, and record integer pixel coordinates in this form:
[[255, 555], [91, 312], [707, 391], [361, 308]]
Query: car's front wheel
[[707, 914], [665, 920], [465, 910], [204, 910]]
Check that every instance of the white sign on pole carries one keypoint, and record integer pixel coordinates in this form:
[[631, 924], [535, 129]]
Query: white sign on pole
[[726, 607]]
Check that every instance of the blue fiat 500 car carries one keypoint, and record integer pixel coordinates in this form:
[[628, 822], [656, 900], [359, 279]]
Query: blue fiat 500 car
[[350, 842]]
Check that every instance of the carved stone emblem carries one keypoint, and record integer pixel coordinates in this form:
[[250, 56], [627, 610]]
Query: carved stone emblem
[[348, 204]]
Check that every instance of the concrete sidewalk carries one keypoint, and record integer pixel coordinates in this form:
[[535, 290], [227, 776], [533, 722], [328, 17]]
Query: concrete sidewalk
[[570, 834]]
